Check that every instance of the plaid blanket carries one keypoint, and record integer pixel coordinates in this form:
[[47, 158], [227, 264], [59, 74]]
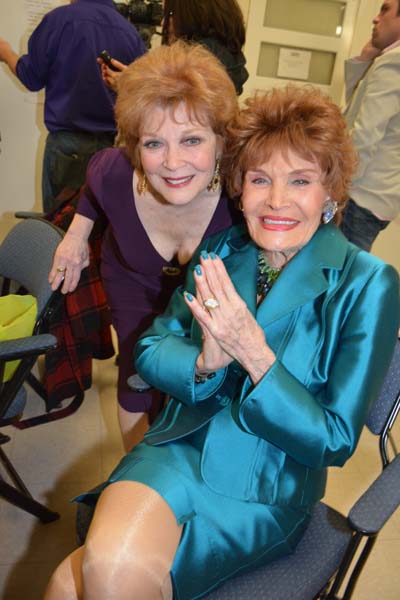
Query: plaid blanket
[[80, 322]]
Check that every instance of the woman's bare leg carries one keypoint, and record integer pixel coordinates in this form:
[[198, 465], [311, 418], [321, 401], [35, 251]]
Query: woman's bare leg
[[133, 426], [131, 544], [66, 582], [130, 547]]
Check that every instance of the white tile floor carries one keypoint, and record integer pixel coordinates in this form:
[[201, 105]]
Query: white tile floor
[[62, 458]]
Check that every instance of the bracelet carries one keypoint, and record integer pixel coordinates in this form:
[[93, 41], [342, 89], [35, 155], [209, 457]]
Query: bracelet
[[203, 377]]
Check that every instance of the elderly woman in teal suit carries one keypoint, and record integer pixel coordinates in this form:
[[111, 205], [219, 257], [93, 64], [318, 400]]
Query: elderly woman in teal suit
[[271, 355]]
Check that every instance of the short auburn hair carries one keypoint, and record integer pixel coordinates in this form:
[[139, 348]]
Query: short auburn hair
[[300, 119], [167, 76]]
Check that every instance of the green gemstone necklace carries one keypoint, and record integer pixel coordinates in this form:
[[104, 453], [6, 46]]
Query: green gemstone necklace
[[266, 276]]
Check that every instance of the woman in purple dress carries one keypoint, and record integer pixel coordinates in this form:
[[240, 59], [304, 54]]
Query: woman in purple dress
[[161, 194]]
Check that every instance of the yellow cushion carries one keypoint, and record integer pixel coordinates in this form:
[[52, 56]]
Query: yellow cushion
[[17, 319]]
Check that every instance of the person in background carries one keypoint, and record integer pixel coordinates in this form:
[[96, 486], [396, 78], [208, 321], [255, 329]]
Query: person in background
[[373, 114], [216, 24], [79, 109], [272, 353], [161, 195]]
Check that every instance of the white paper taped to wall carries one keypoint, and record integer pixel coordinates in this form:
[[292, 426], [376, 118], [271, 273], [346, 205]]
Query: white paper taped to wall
[[294, 63], [36, 9]]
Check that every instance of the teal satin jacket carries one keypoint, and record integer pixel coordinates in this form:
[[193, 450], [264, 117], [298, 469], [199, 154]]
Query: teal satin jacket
[[331, 319]]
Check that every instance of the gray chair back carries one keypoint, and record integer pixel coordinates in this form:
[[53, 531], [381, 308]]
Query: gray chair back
[[381, 408], [26, 256]]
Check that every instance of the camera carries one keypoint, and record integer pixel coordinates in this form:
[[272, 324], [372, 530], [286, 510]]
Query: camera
[[145, 15]]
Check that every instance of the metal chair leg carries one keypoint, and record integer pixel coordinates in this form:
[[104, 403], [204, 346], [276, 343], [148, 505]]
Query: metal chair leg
[[20, 495]]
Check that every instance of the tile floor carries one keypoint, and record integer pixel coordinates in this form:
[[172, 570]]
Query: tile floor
[[62, 458]]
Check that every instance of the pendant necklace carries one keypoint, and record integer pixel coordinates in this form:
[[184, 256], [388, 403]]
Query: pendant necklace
[[266, 275]]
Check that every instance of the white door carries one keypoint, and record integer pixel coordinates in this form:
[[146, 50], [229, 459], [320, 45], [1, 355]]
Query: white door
[[299, 41]]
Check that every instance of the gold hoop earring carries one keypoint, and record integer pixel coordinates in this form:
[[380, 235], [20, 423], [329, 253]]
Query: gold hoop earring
[[142, 184], [215, 182]]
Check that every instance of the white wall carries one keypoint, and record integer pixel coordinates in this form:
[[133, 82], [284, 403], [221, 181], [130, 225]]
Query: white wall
[[21, 116]]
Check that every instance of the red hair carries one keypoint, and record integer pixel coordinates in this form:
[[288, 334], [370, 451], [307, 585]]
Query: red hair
[[300, 119], [164, 78]]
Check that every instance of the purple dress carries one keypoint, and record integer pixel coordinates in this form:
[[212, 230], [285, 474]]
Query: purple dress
[[138, 281]]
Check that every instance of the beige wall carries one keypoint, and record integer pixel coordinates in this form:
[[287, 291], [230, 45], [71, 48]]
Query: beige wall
[[244, 5], [367, 9], [387, 245]]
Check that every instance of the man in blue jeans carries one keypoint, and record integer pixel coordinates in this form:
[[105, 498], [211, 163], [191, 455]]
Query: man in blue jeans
[[373, 114], [79, 108]]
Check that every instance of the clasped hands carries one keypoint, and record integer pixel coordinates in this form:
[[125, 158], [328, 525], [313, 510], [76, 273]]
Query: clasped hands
[[230, 332]]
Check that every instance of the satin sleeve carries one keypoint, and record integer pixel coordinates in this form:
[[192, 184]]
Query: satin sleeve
[[319, 425], [166, 354]]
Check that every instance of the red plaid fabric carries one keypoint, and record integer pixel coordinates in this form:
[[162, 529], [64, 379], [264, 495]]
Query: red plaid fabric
[[81, 322]]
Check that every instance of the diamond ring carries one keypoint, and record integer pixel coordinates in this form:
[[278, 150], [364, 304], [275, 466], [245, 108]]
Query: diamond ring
[[211, 303]]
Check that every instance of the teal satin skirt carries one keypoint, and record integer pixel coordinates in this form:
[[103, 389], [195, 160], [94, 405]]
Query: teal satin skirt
[[221, 536]]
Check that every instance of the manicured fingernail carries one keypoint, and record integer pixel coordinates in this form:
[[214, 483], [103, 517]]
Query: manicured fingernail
[[213, 255], [204, 254], [188, 297], [198, 269]]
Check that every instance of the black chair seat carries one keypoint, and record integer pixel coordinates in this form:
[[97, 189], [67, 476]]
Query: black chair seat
[[304, 573]]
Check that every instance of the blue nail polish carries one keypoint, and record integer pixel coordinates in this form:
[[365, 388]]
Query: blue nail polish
[[188, 297], [204, 255], [213, 255], [198, 269]]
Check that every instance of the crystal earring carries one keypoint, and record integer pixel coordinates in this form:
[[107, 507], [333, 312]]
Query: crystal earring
[[142, 184], [215, 182], [330, 210]]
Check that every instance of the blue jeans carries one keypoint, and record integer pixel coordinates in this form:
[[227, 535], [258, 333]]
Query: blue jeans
[[66, 156], [360, 225]]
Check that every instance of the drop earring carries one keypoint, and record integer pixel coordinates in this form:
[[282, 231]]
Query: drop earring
[[215, 182], [330, 210], [142, 184]]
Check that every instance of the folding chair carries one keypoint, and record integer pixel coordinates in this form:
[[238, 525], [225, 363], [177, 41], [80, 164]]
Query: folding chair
[[26, 256], [326, 555]]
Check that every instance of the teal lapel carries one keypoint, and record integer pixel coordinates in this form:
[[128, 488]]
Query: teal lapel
[[242, 269], [304, 277]]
